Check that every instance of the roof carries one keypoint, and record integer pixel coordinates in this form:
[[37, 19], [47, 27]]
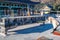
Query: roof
[[50, 6], [24, 1]]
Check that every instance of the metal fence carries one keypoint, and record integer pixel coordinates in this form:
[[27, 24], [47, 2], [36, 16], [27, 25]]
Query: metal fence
[[11, 22]]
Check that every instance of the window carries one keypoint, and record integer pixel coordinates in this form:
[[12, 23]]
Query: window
[[3, 4], [0, 3], [15, 5], [15, 11], [18, 5], [12, 4], [1, 12], [0, 20], [7, 4], [0, 27]]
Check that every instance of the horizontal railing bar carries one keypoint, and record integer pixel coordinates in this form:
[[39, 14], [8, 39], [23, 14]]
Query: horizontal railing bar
[[21, 17]]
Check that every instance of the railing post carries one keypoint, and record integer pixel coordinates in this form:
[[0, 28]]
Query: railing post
[[2, 27], [28, 12]]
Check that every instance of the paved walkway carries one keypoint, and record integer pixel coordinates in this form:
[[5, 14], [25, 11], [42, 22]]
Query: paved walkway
[[25, 26], [31, 32], [31, 36]]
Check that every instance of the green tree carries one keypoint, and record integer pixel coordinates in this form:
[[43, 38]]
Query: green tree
[[39, 6], [55, 5]]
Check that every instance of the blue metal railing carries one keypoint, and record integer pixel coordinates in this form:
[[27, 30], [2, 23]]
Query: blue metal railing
[[22, 21]]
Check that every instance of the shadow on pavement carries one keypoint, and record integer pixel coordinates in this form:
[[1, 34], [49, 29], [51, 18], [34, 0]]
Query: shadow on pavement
[[35, 29]]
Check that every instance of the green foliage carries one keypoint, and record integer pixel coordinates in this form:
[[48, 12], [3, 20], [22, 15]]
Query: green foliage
[[56, 8], [39, 6]]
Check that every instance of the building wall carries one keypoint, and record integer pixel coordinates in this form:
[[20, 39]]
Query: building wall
[[35, 0], [20, 9]]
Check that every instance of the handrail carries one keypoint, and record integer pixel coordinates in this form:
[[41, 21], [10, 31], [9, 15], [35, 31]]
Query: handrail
[[21, 17]]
